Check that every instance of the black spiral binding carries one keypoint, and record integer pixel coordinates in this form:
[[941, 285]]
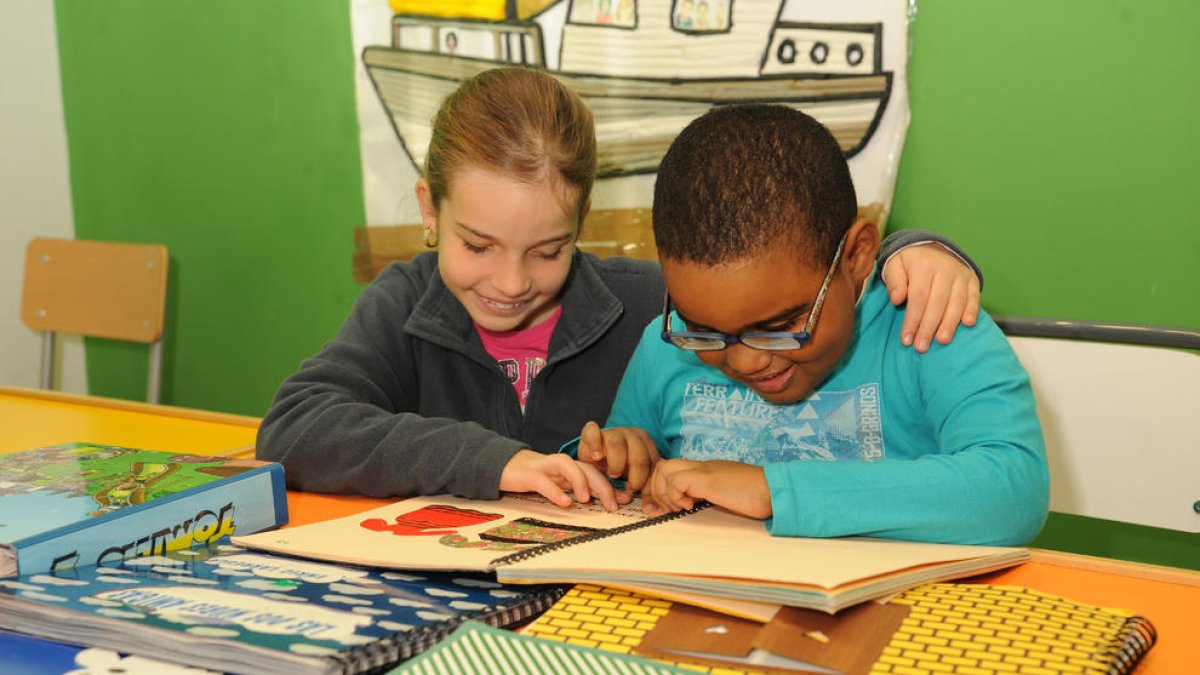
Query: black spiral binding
[[1135, 638], [386, 652], [593, 536]]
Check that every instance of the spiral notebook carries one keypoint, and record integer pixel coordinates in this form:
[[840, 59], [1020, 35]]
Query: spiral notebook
[[999, 629], [941, 627], [231, 610], [478, 649], [27, 655], [704, 552]]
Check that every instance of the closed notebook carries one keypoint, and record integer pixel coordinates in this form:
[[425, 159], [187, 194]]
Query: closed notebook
[[477, 649], [940, 627], [27, 655], [699, 640], [226, 609], [984, 628], [705, 552], [81, 504]]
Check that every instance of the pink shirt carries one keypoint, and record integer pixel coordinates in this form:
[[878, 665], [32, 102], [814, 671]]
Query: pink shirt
[[521, 354]]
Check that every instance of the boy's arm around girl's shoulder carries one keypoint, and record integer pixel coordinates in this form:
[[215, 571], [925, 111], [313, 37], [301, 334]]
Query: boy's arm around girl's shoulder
[[345, 421]]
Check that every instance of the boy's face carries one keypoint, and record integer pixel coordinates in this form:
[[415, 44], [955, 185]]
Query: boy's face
[[504, 246], [769, 293]]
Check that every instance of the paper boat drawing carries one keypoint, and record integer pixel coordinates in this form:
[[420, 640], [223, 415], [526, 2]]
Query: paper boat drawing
[[645, 67]]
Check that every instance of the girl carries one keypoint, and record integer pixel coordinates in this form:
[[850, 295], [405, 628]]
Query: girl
[[465, 370]]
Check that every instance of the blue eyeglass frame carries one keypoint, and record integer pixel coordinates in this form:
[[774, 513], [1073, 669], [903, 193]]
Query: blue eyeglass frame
[[718, 341]]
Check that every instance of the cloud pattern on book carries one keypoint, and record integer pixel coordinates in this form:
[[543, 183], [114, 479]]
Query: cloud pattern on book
[[292, 605]]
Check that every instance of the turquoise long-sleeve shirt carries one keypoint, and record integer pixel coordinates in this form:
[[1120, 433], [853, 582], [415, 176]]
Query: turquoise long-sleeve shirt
[[943, 446]]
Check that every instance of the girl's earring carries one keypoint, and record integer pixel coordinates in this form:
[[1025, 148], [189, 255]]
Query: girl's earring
[[431, 240]]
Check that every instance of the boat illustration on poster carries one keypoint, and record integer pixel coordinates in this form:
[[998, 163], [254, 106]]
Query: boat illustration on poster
[[645, 67]]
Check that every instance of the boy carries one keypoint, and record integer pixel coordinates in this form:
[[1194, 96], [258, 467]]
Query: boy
[[779, 389]]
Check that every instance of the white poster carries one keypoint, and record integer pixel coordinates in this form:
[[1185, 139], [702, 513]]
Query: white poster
[[645, 67]]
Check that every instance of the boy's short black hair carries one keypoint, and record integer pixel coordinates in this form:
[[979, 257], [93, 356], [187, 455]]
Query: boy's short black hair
[[741, 179]]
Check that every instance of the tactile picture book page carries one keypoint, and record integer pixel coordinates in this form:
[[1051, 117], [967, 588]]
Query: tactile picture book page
[[443, 532], [714, 552], [704, 551]]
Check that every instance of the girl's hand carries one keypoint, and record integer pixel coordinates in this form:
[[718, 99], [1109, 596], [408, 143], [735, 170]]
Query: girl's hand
[[940, 289], [558, 478]]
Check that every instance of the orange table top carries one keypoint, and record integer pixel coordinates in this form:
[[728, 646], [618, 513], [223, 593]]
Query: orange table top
[[1169, 597], [32, 418]]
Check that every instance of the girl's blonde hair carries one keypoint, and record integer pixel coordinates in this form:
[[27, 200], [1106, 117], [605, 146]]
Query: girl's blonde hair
[[520, 123]]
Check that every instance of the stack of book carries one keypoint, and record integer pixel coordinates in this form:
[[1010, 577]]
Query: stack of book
[[702, 589]]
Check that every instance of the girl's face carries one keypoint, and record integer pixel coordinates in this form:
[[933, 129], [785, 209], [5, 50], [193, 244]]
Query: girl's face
[[504, 246]]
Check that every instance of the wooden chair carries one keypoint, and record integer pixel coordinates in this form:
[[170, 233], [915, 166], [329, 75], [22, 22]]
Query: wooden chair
[[1117, 404], [96, 289]]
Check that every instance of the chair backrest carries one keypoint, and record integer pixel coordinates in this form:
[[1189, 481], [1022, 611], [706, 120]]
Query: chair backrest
[[98, 289], [1119, 417]]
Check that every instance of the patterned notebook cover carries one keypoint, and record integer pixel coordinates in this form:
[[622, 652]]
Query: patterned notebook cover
[[25, 655], [477, 649], [233, 610], [607, 619], [963, 628], [977, 628]]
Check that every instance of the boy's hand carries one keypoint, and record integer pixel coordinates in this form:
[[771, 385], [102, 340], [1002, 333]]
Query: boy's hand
[[940, 289], [619, 452], [552, 476], [678, 484]]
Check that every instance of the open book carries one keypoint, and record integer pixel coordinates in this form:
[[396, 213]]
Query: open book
[[706, 551]]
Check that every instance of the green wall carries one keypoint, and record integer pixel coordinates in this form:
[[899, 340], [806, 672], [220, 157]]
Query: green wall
[[227, 131], [1056, 141]]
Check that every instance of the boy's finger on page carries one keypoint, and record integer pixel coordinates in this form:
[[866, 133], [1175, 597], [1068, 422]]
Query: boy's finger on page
[[654, 487], [591, 443], [639, 460], [651, 449], [616, 451]]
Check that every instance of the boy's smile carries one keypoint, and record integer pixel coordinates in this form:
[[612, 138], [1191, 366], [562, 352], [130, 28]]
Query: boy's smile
[[772, 291]]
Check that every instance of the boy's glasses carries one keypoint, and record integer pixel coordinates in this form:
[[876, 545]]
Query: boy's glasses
[[700, 341]]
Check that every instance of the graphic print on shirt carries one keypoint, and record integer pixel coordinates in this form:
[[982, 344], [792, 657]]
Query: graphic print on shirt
[[719, 421], [521, 373]]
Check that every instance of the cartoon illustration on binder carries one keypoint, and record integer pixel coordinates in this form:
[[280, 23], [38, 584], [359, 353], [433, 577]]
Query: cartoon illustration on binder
[[131, 488]]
